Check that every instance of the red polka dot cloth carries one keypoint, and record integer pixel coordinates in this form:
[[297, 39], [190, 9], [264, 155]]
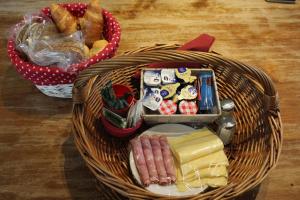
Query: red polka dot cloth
[[188, 107], [167, 107], [52, 75]]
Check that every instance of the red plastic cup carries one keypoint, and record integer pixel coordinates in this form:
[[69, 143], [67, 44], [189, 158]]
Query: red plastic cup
[[119, 132], [120, 90]]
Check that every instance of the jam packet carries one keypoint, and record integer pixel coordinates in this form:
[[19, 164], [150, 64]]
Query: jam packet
[[167, 107], [188, 107], [189, 92], [168, 91], [184, 74]]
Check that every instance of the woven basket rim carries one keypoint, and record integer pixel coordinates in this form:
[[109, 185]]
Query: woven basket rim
[[110, 180]]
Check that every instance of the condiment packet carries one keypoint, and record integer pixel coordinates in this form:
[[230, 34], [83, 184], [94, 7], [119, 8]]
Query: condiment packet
[[114, 118], [168, 76], [167, 107], [152, 100], [189, 92], [188, 107], [168, 91], [184, 74], [152, 78], [149, 90], [206, 89]]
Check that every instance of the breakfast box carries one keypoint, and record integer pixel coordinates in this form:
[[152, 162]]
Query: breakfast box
[[155, 117]]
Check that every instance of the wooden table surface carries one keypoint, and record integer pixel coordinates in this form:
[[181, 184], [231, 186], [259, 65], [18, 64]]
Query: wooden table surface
[[38, 159]]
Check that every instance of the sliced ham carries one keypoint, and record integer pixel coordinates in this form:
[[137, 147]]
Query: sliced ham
[[148, 154], [158, 159], [168, 158], [140, 162]]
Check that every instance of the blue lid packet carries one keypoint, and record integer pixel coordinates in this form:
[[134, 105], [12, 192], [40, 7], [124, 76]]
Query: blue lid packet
[[207, 101]]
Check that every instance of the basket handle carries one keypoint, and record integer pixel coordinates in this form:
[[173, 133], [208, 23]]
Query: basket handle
[[80, 93]]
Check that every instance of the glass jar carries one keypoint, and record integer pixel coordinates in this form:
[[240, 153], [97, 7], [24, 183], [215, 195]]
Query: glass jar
[[226, 122]]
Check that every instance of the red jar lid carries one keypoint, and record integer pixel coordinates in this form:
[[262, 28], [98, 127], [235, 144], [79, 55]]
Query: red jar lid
[[167, 107], [188, 107]]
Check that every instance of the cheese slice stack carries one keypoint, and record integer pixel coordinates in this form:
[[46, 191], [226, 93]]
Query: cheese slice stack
[[200, 160]]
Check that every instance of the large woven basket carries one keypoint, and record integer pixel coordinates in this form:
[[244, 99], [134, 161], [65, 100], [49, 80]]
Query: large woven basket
[[256, 144]]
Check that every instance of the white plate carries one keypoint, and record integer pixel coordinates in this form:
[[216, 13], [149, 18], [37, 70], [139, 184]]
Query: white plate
[[170, 190]]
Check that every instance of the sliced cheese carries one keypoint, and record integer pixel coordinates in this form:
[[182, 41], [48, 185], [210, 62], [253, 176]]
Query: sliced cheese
[[190, 150], [212, 176], [214, 171], [212, 182], [200, 160], [189, 137], [215, 159], [183, 186]]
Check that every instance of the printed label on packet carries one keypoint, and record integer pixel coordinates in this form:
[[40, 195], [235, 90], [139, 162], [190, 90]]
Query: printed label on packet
[[189, 92], [152, 100], [149, 90], [168, 76], [168, 91], [184, 74], [152, 78]]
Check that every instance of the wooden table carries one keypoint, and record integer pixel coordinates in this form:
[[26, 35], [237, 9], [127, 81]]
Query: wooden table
[[38, 159]]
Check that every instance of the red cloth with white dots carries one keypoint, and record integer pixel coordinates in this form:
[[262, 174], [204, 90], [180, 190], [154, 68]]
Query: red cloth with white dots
[[188, 107], [167, 107], [52, 75]]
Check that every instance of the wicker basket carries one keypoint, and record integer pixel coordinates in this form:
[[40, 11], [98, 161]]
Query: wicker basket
[[252, 154], [53, 81]]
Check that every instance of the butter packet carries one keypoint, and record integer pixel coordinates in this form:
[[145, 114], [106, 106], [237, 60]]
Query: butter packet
[[168, 76], [149, 90], [152, 100], [152, 78]]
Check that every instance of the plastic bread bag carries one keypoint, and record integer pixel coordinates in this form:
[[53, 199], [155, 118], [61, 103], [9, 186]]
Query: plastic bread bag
[[38, 38], [29, 27]]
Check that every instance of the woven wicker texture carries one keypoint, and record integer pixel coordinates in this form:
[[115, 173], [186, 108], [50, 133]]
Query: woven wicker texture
[[252, 154]]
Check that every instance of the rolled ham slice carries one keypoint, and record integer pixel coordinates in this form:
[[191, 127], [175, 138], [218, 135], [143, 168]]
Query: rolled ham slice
[[139, 160], [148, 154], [168, 158], [158, 159]]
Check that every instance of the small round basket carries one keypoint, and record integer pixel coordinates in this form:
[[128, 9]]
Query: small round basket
[[255, 148], [53, 81]]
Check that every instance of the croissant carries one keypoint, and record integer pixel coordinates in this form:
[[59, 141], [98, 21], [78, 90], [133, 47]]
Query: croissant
[[65, 21], [98, 46], [92, 23]]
